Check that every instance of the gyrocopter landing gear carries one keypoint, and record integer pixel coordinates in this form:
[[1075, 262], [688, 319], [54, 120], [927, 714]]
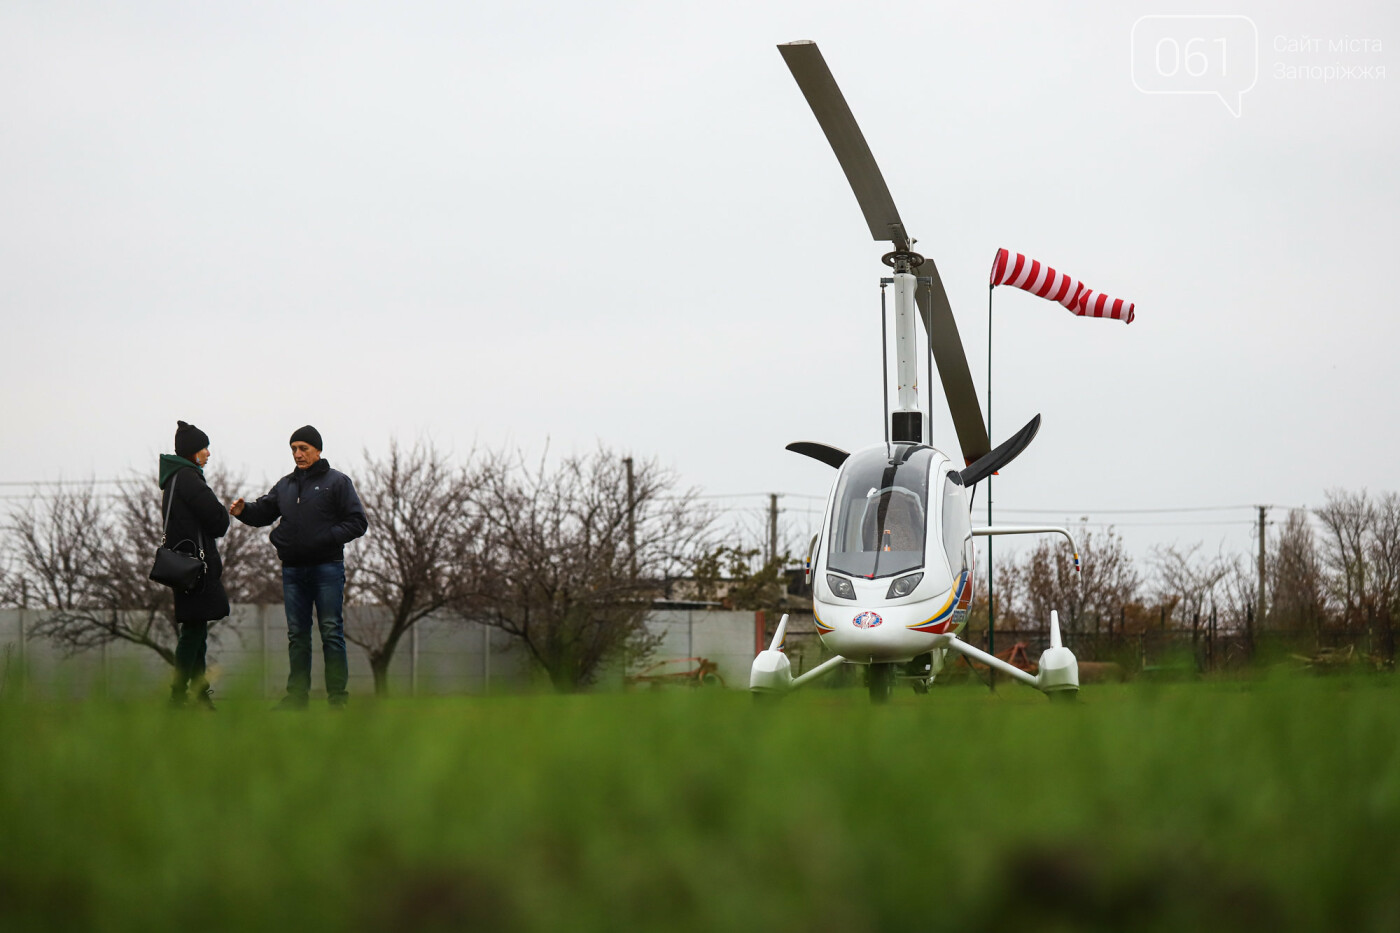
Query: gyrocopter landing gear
[[1059, 671], [880, 680], [771, 674], [923, 669]]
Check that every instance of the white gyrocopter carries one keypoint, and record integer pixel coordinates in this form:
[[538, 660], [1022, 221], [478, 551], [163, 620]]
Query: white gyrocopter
[[891, 569]]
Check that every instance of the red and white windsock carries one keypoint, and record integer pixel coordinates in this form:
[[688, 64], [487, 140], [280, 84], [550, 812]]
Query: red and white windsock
[[1044, 282]]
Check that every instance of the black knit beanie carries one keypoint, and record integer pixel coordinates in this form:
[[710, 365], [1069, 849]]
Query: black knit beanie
[[308, 435], [189, 440]]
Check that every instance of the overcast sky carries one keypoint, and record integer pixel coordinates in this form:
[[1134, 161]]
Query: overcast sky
[[504, 223]]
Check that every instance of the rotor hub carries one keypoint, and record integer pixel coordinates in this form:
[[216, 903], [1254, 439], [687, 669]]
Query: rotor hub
[[902, 260]]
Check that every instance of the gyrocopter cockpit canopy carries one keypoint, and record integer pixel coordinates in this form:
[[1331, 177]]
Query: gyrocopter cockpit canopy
[[881, 514]]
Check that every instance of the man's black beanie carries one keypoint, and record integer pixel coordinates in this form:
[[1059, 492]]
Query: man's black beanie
[[308, 435], [189, 440]]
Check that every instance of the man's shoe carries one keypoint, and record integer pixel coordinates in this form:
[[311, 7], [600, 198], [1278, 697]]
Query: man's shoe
[[290, 703], [204, 699]]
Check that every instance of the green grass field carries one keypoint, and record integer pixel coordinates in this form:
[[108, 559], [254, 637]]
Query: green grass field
[[1270, 805]]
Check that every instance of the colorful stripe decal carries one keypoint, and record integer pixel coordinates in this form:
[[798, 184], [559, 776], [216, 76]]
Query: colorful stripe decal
[[821, 626], [965, 590], [937, 624]]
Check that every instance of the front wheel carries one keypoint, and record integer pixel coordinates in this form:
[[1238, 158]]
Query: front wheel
[[880, 679]]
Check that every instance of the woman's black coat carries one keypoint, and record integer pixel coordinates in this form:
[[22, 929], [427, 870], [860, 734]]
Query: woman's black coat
[[196, 509]]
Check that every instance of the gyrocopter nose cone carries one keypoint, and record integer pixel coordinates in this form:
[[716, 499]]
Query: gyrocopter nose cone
[[867, 620]]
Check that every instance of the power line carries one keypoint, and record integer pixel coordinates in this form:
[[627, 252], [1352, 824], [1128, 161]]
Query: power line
[[1178, 509], [55, 488], [61, 482], [739, 495], [1164, 524], [46, 496]]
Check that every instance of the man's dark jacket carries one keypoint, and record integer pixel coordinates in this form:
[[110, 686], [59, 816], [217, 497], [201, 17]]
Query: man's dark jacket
[[195, 512], [320, 512]]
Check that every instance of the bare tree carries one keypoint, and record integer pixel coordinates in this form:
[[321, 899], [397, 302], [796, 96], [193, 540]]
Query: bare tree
[[1349, 518], [1240, 594], [1384, 553], [1190, 583], [1106, 582], [416, 560], [252, 572], [557, 565], [1010, 596], [740, 578], [86, 557], [1294, 576], [55, 544], [1361, 562]]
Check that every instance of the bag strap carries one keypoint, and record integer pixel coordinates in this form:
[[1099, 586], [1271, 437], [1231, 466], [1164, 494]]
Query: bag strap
[[169, 504]]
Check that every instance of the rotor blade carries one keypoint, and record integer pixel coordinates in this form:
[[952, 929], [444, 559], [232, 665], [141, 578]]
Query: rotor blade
[[1006, 451], [813, 76], [831, 456], [948, 353]]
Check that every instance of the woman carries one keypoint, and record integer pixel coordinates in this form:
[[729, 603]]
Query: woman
[[197, 519]]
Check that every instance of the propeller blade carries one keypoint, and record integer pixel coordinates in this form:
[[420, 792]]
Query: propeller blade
[[831, 456], [829, 106], [948, 353], [1006, 451]]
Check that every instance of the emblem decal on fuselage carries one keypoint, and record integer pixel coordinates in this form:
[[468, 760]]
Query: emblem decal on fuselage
[[866, 620]]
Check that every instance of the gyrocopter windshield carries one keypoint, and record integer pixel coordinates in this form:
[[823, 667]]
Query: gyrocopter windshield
[[881, 512]]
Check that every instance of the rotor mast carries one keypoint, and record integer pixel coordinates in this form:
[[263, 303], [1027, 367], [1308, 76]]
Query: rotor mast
[[828, 104], [906, 421]]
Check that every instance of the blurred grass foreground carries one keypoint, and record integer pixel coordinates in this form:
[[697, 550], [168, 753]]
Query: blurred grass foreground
[[1245, 806]]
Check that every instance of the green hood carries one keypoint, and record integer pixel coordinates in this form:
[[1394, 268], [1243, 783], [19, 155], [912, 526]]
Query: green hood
[[171, 464]]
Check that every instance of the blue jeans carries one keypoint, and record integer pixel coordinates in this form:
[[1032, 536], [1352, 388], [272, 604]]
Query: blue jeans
[[322, 586]]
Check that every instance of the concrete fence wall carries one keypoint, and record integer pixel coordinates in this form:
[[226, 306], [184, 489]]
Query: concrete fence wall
[[248, 652]]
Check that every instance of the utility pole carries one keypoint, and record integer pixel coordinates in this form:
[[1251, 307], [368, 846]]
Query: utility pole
[[773, 547], [485, 659], [266, 665], [23, 648], [1259, 612], [991, 570], [631, 518], [772, 526], [991, 597]]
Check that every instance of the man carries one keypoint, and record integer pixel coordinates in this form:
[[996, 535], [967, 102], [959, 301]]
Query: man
[[320, 513]]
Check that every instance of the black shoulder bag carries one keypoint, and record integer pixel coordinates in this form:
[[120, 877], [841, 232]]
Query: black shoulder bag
[[172, 568]]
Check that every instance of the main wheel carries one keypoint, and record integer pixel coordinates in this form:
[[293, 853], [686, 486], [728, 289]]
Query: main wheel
[[880, 679]]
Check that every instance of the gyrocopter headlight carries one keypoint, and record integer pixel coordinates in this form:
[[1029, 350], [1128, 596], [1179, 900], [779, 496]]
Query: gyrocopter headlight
[[904, 586], [840, 586]]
